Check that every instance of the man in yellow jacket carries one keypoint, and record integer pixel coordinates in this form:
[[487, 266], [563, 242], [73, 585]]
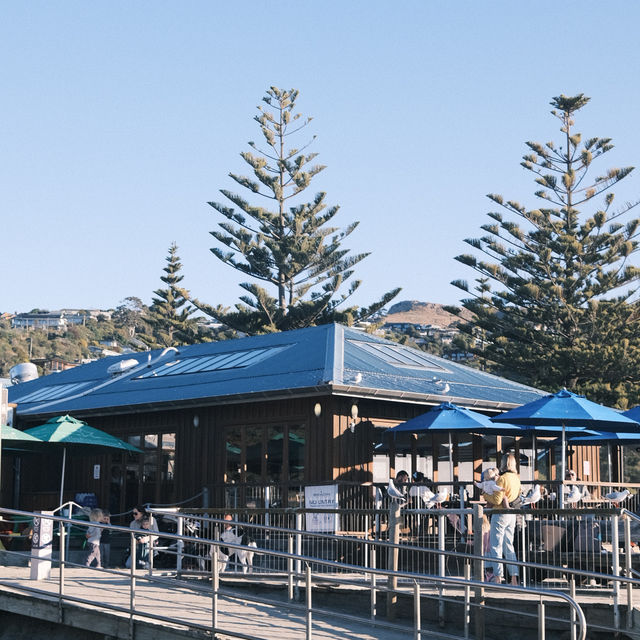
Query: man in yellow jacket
[[503, 525]]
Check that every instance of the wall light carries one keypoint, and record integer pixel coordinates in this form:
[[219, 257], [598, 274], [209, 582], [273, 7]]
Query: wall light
[[317, 409], [354, 417], [196, 421]]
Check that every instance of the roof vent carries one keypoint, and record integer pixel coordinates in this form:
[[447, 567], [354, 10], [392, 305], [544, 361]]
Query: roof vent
[[120, 367], [23, 372]]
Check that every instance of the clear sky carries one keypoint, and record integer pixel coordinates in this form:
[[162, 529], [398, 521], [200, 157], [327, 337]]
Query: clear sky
[[120, 120]]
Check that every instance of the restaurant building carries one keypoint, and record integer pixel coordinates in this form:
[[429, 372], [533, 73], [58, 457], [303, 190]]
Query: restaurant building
[[232, 418]]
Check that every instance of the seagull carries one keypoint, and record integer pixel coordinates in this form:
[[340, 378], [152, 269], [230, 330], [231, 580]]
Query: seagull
[[575, 495], [439, 498], [616, 497], [358, 378], [394, 493], [533, 496]]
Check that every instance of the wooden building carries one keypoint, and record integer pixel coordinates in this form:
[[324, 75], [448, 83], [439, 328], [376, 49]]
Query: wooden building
[[280, 411]]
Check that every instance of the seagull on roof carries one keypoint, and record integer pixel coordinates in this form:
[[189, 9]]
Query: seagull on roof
[[616, 497]]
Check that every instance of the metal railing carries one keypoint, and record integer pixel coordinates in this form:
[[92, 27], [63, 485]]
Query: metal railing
[[305, 572]]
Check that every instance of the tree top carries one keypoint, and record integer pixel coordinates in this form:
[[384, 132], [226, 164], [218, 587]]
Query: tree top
[[569, 104]]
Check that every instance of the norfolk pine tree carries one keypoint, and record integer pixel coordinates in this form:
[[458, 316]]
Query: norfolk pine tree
[[170, 315], [285, 244], [561, 314]]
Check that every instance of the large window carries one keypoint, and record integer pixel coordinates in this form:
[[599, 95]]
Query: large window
[[264, 455], [138, 478]]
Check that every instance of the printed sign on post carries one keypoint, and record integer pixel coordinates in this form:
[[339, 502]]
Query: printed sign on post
[[321, 497], [41, 546], [96, 472]]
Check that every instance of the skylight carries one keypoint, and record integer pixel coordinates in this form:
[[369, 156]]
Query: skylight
[[52, 392], [201, 364], [399, 356]]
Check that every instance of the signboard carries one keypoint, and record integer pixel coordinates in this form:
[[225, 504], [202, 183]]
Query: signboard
[[41, 546], [322, 498], [96, 472]]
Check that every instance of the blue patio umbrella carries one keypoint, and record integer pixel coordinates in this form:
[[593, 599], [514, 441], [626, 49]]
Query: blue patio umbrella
[[450, 418], [568, 410]]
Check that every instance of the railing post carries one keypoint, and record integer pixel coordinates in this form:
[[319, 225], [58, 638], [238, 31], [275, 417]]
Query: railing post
[[416, 611], [442, 530], [215, 585], [572, 593], [541, 621], [373, 598], [298, 563], [309, 601], [290, 567], [180, 546], [478, 569], [628, 569], [467, 598], [132, 590], [392, 565], [61, 571], [615, 544]]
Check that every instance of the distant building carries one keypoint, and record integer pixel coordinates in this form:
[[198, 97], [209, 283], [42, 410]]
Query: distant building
[[55, 319]]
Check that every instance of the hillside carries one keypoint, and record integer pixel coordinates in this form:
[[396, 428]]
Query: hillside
[[416, 312]]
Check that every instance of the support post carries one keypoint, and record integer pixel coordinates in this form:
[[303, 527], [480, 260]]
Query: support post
[[478, 569], [394, 538]]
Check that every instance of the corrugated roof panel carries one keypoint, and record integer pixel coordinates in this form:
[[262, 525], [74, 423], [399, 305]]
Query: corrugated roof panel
[[326, 356]]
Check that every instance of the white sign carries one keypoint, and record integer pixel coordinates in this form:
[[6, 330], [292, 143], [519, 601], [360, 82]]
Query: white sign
[[41, 540], [96, 472], [586, 468], [324, 497]]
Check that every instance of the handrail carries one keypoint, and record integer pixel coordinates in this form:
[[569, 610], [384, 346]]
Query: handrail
[[308, 561]]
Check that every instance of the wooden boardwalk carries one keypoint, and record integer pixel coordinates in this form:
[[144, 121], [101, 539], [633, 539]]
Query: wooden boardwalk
[[190, 612]]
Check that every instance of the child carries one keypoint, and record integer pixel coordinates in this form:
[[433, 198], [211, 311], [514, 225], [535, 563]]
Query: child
[[93, 539], [105, 539], [488, 484]]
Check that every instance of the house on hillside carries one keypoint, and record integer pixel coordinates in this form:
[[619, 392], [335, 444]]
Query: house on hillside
[[282, 411]]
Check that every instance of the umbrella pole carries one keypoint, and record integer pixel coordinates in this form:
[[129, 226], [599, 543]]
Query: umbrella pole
[[609, 463], [563, 465], [64, 464], [451, 462]]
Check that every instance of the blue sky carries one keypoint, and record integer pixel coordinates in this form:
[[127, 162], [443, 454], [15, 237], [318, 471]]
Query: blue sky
[[120, 120]]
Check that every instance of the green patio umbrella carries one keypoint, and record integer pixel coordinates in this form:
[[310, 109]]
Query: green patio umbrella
[[16, 440], [77, 436]]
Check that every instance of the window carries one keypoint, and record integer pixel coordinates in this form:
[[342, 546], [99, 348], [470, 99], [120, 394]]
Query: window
[[219, 362], [399, 356]]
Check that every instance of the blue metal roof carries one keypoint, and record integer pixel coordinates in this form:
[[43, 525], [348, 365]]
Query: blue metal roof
[[325, 359]]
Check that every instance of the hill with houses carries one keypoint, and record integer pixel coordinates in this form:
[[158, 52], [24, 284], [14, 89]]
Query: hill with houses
[[56, 340]]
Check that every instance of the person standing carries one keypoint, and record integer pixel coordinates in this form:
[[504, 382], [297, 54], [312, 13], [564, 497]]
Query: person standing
[[93, 539], [503, 525]]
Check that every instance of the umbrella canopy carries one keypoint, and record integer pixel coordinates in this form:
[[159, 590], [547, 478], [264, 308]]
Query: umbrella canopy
[[69, 433], [634, 413], [600, 437], [14, 439], [450, 417], [568, 410]]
